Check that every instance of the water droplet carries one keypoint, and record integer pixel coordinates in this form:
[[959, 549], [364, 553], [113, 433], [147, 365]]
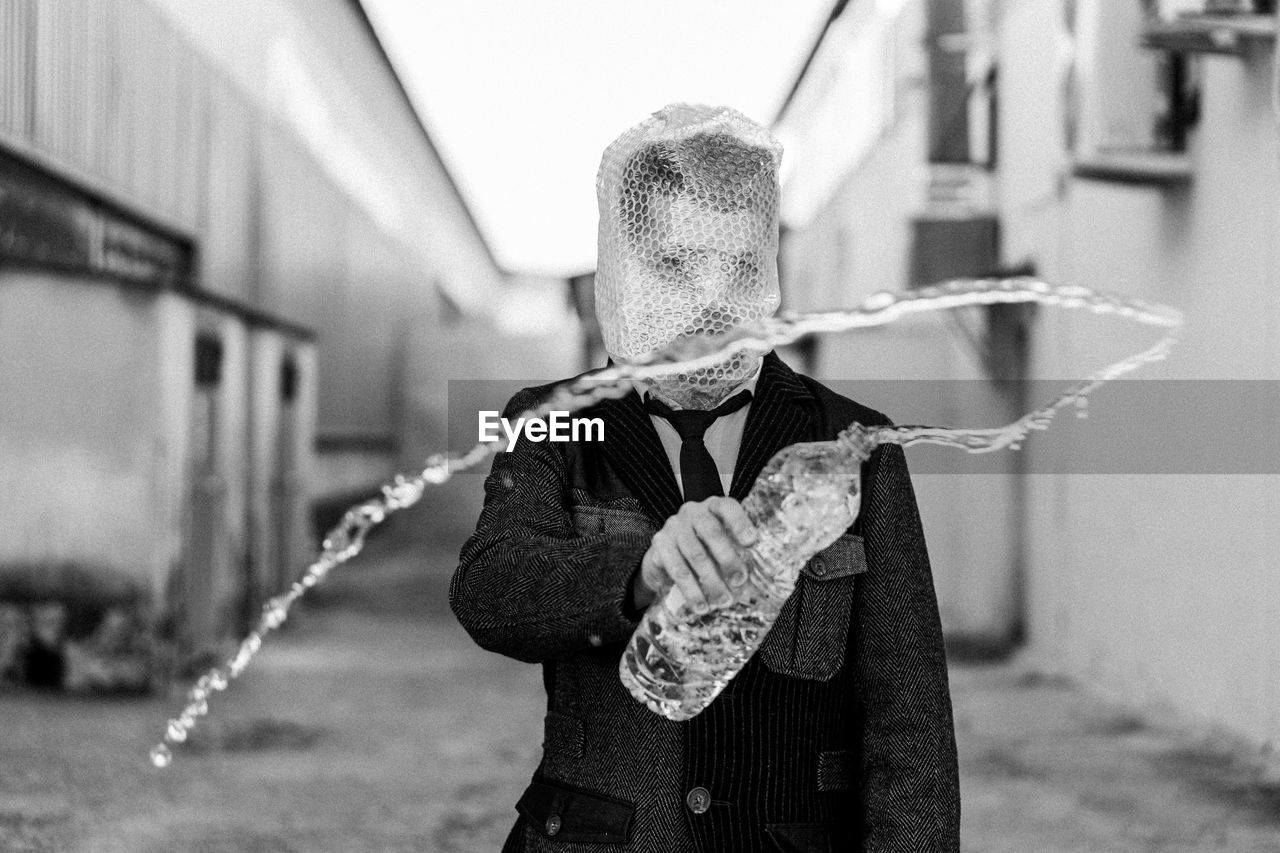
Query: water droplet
[[161, 755], [879, 301], [273, 616]]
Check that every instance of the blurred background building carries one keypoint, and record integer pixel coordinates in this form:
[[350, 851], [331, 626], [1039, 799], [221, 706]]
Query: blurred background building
[[1121, 145], [234, 277]]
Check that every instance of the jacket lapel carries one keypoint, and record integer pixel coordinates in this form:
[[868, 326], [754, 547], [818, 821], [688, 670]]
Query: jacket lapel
[[634, 450], [780, 415]]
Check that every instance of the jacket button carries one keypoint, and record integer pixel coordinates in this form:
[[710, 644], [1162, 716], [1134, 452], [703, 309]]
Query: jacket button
[[553, 824], [819, 566], [699, 800]]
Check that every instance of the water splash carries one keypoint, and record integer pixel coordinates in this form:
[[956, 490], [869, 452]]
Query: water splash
[[347, 538]]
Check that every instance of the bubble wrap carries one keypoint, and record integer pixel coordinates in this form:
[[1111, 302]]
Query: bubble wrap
[[688, 239]]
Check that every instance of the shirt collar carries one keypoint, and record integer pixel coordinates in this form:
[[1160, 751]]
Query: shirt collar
[[749, 384]]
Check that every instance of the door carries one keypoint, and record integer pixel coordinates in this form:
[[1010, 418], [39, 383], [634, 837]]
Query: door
[[285, 487], [206, 525]]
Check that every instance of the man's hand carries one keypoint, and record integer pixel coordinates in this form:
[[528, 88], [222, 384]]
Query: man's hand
[[699, 550]]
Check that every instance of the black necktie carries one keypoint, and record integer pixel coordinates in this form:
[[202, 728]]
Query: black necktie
[[697, 469]]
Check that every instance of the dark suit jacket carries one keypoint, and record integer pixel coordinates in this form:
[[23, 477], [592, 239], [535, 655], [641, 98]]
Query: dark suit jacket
[[837, 735]]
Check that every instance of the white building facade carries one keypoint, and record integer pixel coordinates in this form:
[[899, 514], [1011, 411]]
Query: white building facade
[[1125, 146], [225, 241]]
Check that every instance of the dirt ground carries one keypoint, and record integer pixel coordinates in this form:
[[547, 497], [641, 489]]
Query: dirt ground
[[371, 723]]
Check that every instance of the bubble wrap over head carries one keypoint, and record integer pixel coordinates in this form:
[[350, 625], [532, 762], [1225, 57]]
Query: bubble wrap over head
[[688, 239]]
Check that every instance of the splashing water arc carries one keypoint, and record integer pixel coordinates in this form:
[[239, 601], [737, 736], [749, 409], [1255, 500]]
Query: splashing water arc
[[347, 538]]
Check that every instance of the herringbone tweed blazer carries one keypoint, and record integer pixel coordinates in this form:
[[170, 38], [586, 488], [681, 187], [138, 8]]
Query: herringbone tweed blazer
[[837, 735]]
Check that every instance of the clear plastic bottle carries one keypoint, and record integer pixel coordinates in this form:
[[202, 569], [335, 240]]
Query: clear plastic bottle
[[806, 496]]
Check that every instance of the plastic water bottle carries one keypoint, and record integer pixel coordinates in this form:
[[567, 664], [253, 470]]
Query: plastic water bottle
[[806, 496]]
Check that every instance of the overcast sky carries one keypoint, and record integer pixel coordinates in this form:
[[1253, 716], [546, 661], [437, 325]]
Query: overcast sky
[[522, 96]]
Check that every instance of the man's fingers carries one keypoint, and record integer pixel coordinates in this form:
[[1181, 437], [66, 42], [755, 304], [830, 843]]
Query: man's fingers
[[735, 519], [653, 573], [699, 550], [678, 569], [705, 567], [724, 550]]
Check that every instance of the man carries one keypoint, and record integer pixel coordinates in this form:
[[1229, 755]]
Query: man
[[837, 735]]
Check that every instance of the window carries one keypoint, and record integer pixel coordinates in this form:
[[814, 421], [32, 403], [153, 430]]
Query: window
[[1209, 26], [962, 106], [1137, 108], [208, 360]]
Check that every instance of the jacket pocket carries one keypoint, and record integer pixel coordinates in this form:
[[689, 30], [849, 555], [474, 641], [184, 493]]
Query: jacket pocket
[[799, 837], [809, 638], [569, 814], [615, 519]]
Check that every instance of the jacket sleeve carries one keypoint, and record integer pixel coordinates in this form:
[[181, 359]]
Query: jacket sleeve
[[910, 783], [527, 585]]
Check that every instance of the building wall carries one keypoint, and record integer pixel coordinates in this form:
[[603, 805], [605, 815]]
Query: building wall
[[106, 93], [1162, 590], [271, 143], [860, 242], [385, 229], [281, 465], [286, 150], [89, 475], [101, 449]]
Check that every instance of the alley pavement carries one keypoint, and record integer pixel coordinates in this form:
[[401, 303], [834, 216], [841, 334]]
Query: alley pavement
[[372, 723]]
